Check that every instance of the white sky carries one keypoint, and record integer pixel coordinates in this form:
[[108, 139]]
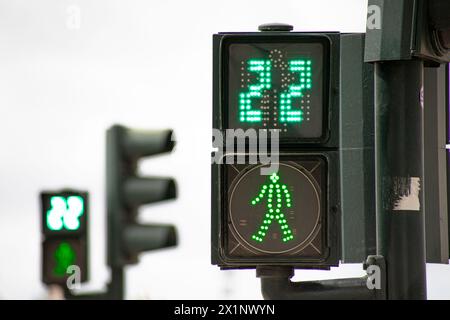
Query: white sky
[[146, 64]]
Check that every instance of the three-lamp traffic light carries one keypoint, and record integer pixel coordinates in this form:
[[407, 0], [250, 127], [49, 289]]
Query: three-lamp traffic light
[[126, 192], [64, 228]]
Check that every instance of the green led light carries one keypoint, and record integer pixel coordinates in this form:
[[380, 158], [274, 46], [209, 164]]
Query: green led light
[[253, 119], [65, 213], [296, 90], [64, 257], [263, 69]]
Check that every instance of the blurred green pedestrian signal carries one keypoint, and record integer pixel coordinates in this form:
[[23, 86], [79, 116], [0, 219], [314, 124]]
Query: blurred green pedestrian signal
[[59, 254], [65, 212], [64, 227], [64, 257]]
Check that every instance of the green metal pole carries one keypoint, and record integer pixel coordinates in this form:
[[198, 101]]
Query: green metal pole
[[399, 176]]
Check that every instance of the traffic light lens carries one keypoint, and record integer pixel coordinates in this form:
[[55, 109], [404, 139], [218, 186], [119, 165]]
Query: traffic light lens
[[288, 224], [65, 213], [276, 85], [64, 257], [59, 253]]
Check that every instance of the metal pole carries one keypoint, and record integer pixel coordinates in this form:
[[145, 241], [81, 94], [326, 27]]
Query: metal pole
[[399, 176], [115, 287]]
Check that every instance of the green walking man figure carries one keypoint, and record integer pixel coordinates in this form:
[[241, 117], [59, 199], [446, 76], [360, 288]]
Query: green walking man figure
[[274, 208], [64, 257]]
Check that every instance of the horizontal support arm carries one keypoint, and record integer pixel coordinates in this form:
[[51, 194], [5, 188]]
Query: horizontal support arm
[[276, 285]]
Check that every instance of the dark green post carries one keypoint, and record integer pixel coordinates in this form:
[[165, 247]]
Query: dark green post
[[409, 35], [399, 179]]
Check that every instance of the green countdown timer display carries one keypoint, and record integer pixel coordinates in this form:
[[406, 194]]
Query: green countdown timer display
[[64, 213], [281, 213], [277, 85]]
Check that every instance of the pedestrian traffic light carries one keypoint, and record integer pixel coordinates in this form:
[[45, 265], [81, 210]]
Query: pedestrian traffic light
[[126, 192], [283, 82], [64, 228]]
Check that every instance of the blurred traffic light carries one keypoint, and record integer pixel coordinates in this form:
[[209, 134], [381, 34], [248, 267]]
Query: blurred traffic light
[[285, 82], [126, 192], [64, 228], [418, 29], [439, 15]]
